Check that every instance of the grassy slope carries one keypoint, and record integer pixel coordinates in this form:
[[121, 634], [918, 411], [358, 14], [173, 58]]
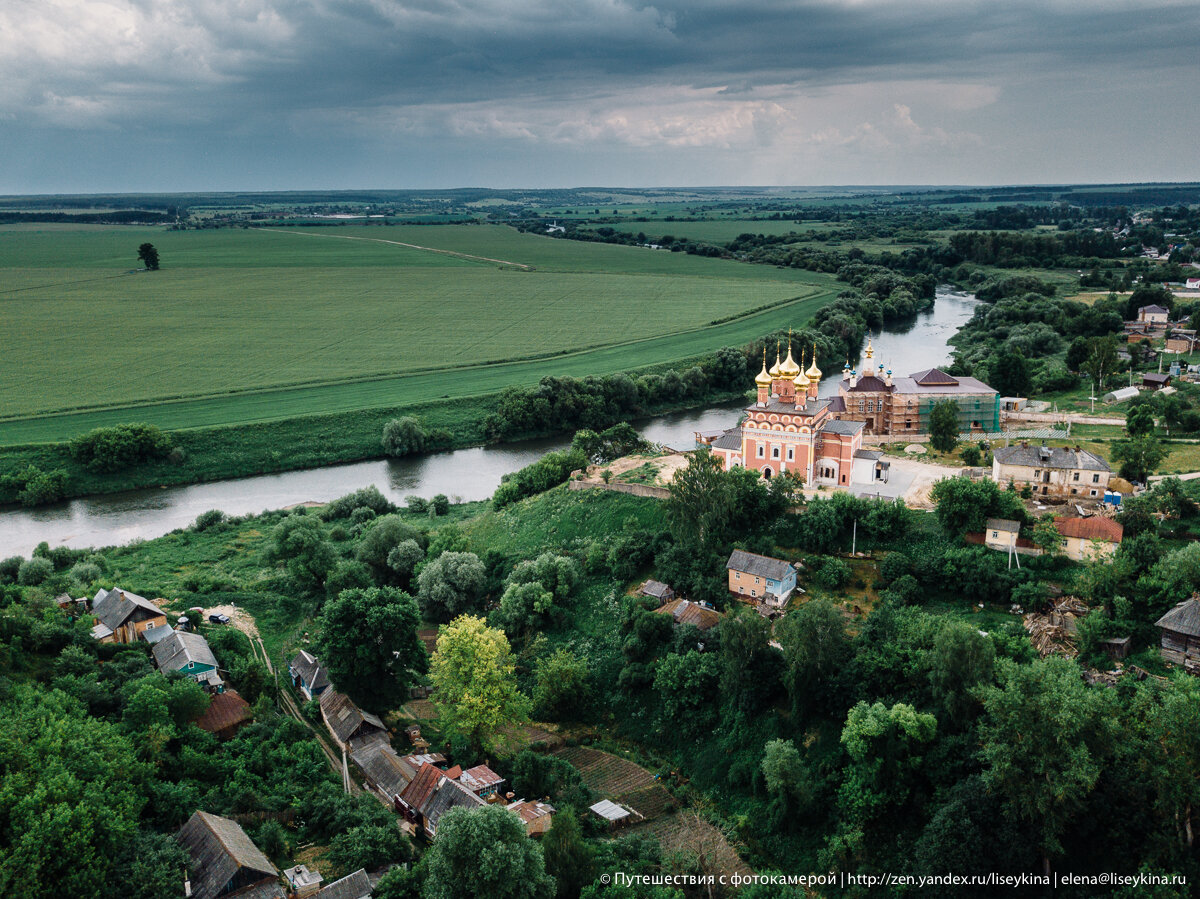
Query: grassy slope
[[134, 337]]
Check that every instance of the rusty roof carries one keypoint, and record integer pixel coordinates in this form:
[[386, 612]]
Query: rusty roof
[[417, 792], [684, 611], [1095, 528], [226, 710]]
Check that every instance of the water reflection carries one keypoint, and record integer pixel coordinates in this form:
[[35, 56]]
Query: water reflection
[[462, 475]]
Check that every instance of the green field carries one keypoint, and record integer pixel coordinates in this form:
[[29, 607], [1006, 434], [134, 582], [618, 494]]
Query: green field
[[252, 325]]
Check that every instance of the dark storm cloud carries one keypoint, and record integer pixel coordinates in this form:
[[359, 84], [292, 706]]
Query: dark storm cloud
[[712, 77]]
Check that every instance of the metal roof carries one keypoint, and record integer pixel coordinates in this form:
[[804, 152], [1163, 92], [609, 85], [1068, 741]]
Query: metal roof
[[181, 648], [1003, 524], [1054, 457], [610, 811], [1095, 528], [842, 427], [762, 566]]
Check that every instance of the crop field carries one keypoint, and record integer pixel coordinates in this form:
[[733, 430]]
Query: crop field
[[250, 325], [715, 230]]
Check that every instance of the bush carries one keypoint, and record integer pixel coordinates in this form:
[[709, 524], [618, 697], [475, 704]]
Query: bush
[[34, 571], [833, 575], [895, 565], [370, 497], [402, 436], [120, 446], [417, 504], [441, 504], [549, 471], [85, 572], [209, 519], [9, 568]]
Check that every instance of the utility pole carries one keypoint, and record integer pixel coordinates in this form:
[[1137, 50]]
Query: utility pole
[[854, 540]]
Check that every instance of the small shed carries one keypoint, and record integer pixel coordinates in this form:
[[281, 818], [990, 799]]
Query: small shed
[[657, 590], [225, 715], [614, 815], [302, 881], [536, 816], [352, 886], [1181, 632], [685, 611], [347, 722], [1155, 381], [1121, 395]]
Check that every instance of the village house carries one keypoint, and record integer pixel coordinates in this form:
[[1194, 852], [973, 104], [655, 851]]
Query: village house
[[1061, 472], [1153, 314], [302, 881], [760, 577], [1181, 633], [119, 616], [308, 675], [1152, 380], [482, 781], [1001, 533], [352, 886], [536, 816], [657, 590], [225, 862], [191, 656], [226, 714], [387, 774], [431, 794], [348, 724], [1088, 539], [685, 611]]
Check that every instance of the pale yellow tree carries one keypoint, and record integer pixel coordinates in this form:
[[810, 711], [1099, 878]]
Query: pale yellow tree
[[474, 681]]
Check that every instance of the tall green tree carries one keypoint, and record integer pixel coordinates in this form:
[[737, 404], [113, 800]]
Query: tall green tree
[[1139, 456], [701, 506], [368, 641], [750, 666], [474, 682], [484, 854], [1139, 421], [567, 857], [943, 426], [148, 256], [965, 506], [452, 584], [1046, 736], [1101, 361], [299, 542], [815, 649]]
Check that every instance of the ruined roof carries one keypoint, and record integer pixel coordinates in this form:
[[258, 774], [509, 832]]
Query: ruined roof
[[933, 377], [762, 566], [344, 718], [481, 777], [418, 790], [352, 886], [448, 794], [1096, 528], [1054, 457], [842, 427], [225, 710], [657, 589], [220, 849], [684, 611], [310, 669], [181, 648], [115, 607], [1183, 619], [530, 810]]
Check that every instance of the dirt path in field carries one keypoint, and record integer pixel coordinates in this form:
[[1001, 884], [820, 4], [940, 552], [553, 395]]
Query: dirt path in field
[[411, 246]]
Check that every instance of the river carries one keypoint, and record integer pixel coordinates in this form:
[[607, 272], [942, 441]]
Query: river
[[462, 475]]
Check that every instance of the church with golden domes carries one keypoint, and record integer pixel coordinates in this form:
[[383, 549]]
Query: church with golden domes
[[789, 429]]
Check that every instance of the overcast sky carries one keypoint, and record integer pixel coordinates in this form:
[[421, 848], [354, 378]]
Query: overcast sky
[[167, 95]]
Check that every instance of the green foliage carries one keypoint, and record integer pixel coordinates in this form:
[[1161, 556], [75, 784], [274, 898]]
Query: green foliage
[[621, 439], [562, 689], [687, 686], [535, 774], [815, 648], [299, 541], [568, 860], [971, 455], [1139, 421], [440, 504], [381, 537], [34, 571], [368, 497], [1139, 457], [33, 487], [549, 471], [484, 854], [209, 519], [534, 590], [750, 667], [960, 660], [964, 506], [368, 846], [474, 687], [148, 256], [451, 585], [120, 446], [403, 436], [368, 641], [833, 574], [943, 426]]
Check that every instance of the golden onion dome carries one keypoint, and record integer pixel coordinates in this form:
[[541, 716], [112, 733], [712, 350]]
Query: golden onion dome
[[763, 379], [800, 379], [870, 349], [775, 371], [813, 371], [788, 368]]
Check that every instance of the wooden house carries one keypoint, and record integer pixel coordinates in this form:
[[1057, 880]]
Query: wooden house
[[536, 816], [684, 611], [191, 656], [760, 577], [349, 724], [226, 714], [352, 886], [308, 675], [481, 780], [433, 793], [657, 590], [1181, 633], [119, 616], [225, 862], [1152, 380], [387, 774]]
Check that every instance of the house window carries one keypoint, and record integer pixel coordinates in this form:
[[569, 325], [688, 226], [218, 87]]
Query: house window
[[1037, 473], [1075, 477], [791, 454], [737, 575], [774, 452], [1073, 491], [995, 535], [757, 581], [908, 423], [1093, 493], [1095, 479], [862, 405], [762, 451]]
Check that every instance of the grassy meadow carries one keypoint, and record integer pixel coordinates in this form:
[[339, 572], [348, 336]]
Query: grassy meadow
[[258, 325]]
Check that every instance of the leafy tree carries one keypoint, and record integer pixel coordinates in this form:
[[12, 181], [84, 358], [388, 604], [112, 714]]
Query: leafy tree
[[403, 436], [1010, 374], [404, 558], [1046, 735], [535, 588], [750, 666], [484, 854], [702, 502], [815, 649], [348, 574], [1139, 456], [562, 691], [440, 504], [148, 256], [453, 584], [1101, 361], [368, 641], [1140, 420], [150, 865], [1046, 536], [474, 682], [382, 536], [120, 446], [687, 686], [961, 659], [538, 774], [964, 505], [943, 426], [621, 439], [34, 571], [299, 542], [971, 455], [567, 857], [785, 776], [368, 846]]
